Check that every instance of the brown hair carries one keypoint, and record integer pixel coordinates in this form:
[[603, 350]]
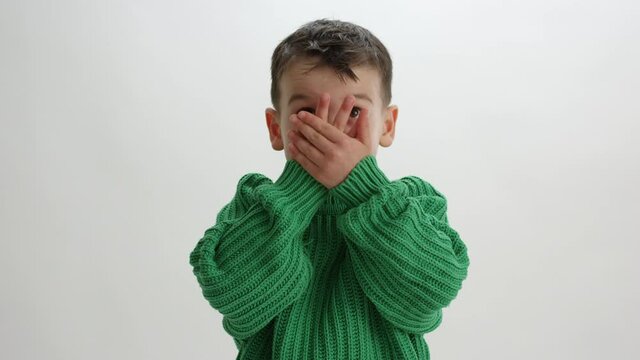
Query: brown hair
[[340, 45]]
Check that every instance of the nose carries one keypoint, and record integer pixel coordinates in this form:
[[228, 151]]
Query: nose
[[333, 110]]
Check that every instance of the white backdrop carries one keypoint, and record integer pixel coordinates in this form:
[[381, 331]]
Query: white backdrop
[[127, 124]]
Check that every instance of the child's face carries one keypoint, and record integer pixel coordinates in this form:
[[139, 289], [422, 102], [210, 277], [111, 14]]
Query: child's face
[[301, 89]]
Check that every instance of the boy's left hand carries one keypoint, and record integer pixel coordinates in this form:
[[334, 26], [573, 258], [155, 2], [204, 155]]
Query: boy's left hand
[[323, 149]]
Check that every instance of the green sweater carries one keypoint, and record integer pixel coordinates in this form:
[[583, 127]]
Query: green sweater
[[359, 271]]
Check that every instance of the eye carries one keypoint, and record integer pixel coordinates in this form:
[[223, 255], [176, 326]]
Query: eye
[[311, 110], [355, 112]]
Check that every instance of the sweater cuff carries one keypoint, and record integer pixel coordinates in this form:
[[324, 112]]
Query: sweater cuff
[[363, 181], [301, 188]]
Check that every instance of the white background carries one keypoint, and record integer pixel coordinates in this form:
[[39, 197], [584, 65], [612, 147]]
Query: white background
[[127, 124]]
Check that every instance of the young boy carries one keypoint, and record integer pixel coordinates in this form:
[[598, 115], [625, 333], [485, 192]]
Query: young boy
[[333, 260]]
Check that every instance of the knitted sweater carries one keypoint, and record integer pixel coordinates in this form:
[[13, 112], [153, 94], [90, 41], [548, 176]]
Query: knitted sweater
[[358, 271]]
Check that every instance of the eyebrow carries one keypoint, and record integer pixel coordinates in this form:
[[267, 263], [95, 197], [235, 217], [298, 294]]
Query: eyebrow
[[295, 97]]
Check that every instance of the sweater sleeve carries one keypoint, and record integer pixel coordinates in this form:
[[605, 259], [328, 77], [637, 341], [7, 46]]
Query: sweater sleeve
[[408, 260], [251, 264]]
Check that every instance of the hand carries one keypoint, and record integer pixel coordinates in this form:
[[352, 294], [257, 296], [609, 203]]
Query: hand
[[322, 148]]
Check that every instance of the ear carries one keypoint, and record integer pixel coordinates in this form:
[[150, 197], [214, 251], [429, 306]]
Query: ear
[[389, 126], [273, 125]]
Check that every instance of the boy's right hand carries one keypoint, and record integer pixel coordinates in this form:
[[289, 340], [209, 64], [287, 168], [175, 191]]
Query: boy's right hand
[[322, 148], [342, 118]]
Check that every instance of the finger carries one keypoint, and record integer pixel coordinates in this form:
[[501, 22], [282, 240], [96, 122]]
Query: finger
[[322, 134], [322, 108], [344, 113], [311, 132], [363, 127], [306, 148], [304, 161]]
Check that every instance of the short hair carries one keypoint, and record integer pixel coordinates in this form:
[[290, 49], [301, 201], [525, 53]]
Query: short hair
[[340, 45]]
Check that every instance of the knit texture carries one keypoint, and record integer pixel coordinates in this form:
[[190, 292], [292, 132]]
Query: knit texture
[[358, 271]]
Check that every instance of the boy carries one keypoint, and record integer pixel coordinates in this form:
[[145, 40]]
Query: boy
[[332, 260]]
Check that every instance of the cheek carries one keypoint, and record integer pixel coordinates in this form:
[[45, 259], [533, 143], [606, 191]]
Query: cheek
[[289, 125], [350, 130]]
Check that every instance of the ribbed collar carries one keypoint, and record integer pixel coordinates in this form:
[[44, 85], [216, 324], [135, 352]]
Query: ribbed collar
[[362, 182]]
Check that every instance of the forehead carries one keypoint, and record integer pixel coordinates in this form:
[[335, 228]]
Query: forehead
[[299, 82]]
